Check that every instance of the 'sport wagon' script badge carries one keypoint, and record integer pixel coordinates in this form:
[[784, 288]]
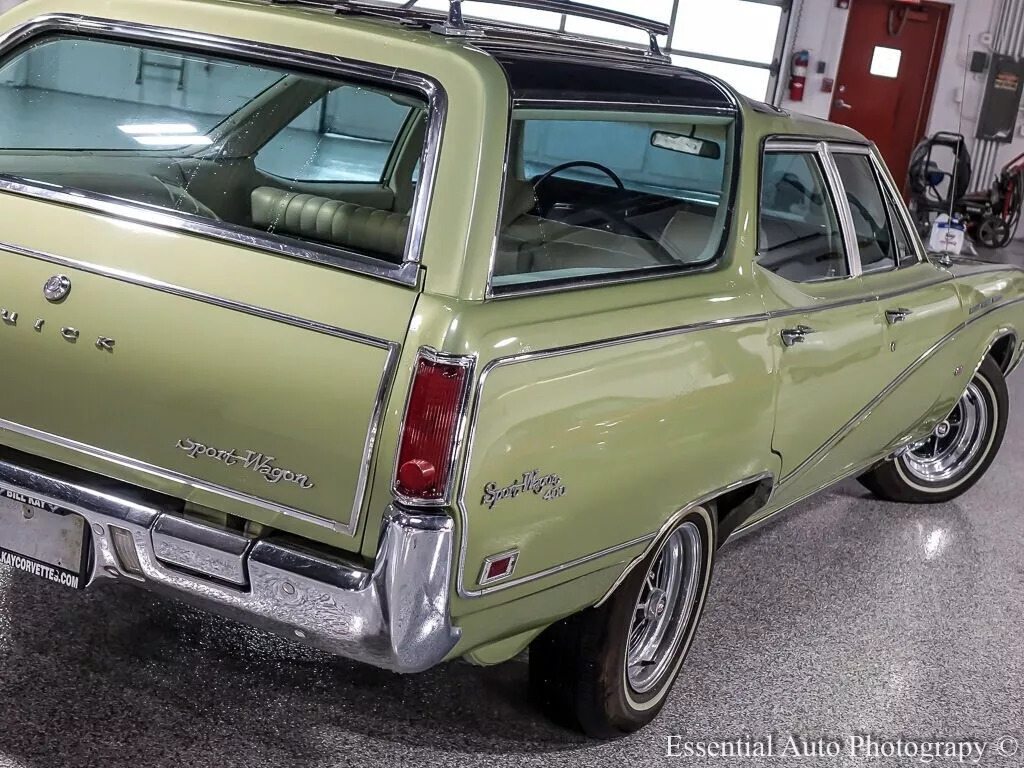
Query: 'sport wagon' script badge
[[548, 487], [57, 288], [251, 460]]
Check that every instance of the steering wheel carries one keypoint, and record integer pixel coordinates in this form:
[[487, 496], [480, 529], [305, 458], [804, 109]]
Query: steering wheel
[[877, 231], [580, 164], [618, 222]]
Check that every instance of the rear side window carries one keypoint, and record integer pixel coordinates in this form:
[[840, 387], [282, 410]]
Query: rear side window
[[244, 147], [591, 195], [799, 237]]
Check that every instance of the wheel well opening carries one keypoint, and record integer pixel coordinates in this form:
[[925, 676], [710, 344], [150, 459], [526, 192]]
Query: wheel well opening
[[1002, 351], [735, 507]]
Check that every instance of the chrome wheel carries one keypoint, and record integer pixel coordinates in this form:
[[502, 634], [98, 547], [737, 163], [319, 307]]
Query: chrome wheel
[[663, 609], [954, 443]]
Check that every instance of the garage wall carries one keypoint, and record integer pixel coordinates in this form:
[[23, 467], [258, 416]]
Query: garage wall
[[822, 28]]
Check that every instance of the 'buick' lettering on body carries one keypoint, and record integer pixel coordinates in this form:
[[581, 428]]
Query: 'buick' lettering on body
[[251, 460], [548, 487]]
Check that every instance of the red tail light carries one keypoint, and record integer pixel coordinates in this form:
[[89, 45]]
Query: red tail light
[[427, 447]]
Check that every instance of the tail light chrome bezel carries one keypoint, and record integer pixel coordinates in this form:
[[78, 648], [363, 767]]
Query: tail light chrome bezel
[[468, 365]]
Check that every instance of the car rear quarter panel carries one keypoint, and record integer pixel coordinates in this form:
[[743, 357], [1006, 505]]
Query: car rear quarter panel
[[640, 398]]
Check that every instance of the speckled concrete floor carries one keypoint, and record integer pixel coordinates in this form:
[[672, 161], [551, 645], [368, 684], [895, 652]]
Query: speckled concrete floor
[[847, 616]]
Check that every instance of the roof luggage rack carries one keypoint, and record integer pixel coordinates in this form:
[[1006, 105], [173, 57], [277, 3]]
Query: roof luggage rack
[[454, 23]]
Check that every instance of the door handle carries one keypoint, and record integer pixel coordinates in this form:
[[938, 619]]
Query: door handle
[[798, 335], [840, 104], [893, 316]]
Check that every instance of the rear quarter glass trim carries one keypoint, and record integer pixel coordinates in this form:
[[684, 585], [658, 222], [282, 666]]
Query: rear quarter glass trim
[[630, 276], [392, 348], [288, 59]]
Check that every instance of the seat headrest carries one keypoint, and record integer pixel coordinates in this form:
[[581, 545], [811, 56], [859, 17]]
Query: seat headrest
[[331, 221], [520, 199]]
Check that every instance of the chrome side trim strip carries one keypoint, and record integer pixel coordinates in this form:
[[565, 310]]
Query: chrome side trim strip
[[844, 430], [392, 348], [890, 453], [467, 593], [671, 523], [206, 298], [865, 299], [406, 273], [555, 352], [741, 532], [618, 340], [166, 474]]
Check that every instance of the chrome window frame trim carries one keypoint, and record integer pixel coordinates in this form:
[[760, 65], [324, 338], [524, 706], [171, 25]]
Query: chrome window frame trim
[[468, 362], [626, 276], [896, 202], [392, 349], [890, 198], [843, 205], [406, 273], [833, 186]]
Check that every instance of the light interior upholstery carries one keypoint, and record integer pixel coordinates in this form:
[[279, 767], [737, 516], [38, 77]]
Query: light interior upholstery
[[530, 244], [690, 237], [331, 221]]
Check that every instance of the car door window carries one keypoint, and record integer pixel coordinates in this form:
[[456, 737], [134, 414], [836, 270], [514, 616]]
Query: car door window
[[799, 237], [879, 249], [906, 253]]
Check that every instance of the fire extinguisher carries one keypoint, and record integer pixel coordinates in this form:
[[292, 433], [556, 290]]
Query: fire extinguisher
[[798, 75]]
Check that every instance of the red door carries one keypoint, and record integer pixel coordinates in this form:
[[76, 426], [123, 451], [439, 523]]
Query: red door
[[887, 74]]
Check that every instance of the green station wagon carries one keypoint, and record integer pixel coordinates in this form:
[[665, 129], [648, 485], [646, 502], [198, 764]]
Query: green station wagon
[[416, 338]]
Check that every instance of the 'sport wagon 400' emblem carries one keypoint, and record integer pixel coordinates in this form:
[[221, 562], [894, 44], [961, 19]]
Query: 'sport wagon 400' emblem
[[548, 487]]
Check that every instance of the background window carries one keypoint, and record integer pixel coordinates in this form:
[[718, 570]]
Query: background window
[[798, 234], [88, 94], [345, 137], [870, 213], [589, 196], [744, 52]]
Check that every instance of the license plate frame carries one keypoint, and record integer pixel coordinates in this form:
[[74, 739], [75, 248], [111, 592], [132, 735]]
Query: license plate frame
[[43, 539]]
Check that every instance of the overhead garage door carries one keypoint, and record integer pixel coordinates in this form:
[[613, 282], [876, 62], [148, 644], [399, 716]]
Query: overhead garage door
[[740, 41]]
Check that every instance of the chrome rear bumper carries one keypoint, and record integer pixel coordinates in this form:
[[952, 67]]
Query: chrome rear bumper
[[395, 616]]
